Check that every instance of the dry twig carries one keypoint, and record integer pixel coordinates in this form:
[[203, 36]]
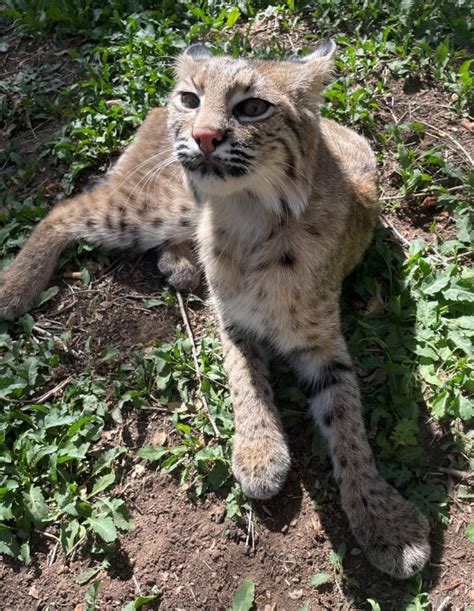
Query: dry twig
[[446, 135], [137, 585], [457, 473], [54, 552], [445, 604], [189, 331], [51, 392], [250, 539], [387, 223]]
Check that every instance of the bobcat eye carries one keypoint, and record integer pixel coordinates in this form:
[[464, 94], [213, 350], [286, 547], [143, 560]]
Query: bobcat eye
[[189, 100], [253, 107]]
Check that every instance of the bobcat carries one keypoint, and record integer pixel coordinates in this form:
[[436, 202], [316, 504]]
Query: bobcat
[[281, 204]]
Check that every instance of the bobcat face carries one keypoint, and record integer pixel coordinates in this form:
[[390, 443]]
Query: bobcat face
[[240, 125]]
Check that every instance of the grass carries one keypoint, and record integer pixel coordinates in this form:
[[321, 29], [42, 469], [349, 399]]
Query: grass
[[407, 310]]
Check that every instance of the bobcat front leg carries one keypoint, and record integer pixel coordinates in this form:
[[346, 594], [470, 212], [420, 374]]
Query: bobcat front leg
[[261, 459], [393, 533]]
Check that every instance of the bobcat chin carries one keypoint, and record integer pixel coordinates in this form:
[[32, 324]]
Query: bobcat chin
[[241, 174]]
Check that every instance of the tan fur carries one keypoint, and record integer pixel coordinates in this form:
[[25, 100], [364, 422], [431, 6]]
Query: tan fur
[[281, 215]]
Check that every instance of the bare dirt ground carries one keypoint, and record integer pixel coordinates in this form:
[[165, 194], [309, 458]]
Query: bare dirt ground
[[184, 545]]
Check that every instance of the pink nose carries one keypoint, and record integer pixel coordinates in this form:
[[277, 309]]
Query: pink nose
[[207, 139]]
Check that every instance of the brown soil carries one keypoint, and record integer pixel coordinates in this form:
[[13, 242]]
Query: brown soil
[[184, 545]]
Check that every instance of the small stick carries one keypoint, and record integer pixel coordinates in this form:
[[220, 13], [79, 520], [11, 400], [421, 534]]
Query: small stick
[[192, 591], [445, 604], [53, 554], [73, 550], [250, 539], [189, 332], [402, 238], [138, 297], [443, 133], [208, 566], [336, 581], [51, 392], [41, 331], [137, 585], [50, 536], [72, 275], [457, 473]]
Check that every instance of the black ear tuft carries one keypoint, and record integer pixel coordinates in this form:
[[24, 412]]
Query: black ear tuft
[[199, 51]]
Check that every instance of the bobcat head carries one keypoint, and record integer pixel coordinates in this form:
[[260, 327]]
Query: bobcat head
[[248, 127]]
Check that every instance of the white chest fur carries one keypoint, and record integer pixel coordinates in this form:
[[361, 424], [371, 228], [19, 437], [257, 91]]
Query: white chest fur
[[255, 278]]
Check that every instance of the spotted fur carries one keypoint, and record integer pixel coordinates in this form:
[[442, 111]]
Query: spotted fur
[[281, 211]]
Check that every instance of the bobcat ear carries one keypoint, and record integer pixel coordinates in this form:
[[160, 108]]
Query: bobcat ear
[[185, 63], [312, 72], [324, 50], [199, 51]]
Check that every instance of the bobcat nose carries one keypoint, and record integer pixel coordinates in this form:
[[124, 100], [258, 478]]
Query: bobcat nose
[[207, 139]]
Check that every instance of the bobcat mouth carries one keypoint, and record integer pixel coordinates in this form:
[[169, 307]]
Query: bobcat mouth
[[214, 166]]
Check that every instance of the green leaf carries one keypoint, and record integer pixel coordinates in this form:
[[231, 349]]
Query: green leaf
[[118, 511], [465, 322], [103, 483], [6, 509], [373, 604], [244, 597], [106, 458], [85, 275], [152, 452], [104, 527], [462, 342], [109, 354], [153, 303], [91, 596], [25, 553], [69, 534], [458, 294], [466, 407], [470, 531], [440, 281], [87, 575], [232, 16], [36, 505], [405, 433], [320, 579], [139, 602], [8, 543], [439, 404], [46, 296]]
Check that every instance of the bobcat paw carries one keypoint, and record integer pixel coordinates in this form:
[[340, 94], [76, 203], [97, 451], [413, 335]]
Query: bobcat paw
[[12, 303], [180, 272], [260, 466], [394, 535]]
